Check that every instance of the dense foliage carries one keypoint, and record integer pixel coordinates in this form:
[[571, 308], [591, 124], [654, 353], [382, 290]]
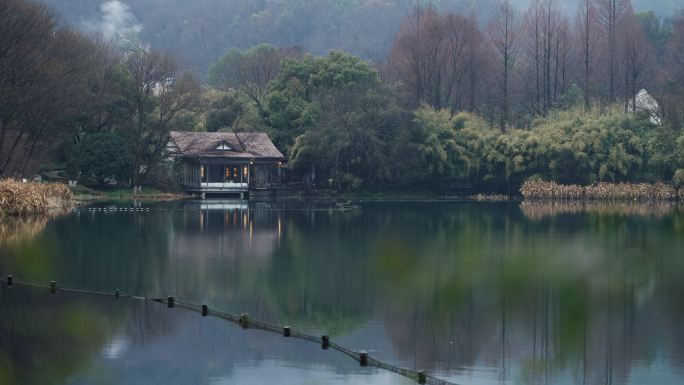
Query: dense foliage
[[102, 158], [437, 114]]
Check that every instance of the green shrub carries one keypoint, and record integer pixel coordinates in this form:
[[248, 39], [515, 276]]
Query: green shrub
[[678, 179]]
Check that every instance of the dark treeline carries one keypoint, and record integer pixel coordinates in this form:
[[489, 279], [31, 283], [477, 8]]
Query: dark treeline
[[549, 91]]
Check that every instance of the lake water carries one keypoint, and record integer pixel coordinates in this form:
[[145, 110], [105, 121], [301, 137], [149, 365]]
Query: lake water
[[474, 293]]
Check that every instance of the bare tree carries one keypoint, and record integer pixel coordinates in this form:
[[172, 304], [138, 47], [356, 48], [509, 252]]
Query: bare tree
[[251, 70], [671, 76], [610, 13], [532, 46], [637, 54], [47, 79], [432, 57], [156, 96], [503, 35], [585, 23]]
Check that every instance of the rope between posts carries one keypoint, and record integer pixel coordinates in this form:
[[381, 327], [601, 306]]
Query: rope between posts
[[245, 322]]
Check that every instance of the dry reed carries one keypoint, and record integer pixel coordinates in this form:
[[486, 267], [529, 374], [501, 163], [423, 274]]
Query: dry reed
[[18, 198], [602, 191], [489, 197]]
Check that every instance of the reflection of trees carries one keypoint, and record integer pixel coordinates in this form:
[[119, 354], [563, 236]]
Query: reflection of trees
[[580, 293], [318, 278], [44, 338]]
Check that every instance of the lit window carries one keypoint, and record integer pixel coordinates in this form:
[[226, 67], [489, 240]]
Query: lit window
[[201, 171], [223, 147], [244, 171], [227, 172]]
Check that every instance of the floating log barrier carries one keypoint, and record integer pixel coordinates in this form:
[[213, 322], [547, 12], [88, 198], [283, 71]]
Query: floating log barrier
[[118, 209], [362, 357]]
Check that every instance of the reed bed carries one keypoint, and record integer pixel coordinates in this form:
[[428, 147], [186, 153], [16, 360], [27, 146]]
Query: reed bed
[[18, 198], [489, 197], [542, 190]]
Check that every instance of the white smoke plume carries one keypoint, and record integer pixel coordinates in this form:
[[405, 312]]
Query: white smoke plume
[[117, 21]]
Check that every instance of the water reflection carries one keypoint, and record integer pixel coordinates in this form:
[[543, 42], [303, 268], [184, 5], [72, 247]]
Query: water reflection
[[16, 229], [475, 292], [542, 209]]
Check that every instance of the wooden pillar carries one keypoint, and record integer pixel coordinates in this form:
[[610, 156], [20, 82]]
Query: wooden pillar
[[363, 358], [10, 280], [325, 342], [53, 287], [205, 310], [422, 378], [286, 331], [170, 302]]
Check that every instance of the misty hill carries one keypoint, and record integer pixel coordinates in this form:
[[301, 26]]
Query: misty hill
[[198, 32]]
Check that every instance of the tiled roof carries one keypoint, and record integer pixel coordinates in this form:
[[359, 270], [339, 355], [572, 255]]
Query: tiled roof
[[203, 144]]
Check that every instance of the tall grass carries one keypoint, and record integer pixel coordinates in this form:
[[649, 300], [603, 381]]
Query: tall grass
[[602, 191], [18, 198]]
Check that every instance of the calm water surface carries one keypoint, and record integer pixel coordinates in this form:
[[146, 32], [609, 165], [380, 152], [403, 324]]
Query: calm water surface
[[475, 293]]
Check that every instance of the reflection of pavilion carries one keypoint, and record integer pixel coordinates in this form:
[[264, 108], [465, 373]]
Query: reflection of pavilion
[[227, 229], [233, 204]]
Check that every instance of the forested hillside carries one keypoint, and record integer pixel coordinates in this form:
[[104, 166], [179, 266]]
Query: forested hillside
[[198, 32]]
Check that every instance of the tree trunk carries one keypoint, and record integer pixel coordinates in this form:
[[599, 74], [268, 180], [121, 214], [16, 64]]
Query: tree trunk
[[8, 159], [587, 105]]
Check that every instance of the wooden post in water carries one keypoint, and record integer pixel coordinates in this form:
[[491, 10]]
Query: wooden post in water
[[363, 358], [422, 378], [116, 294], [170, 301], [325, 342], [53, 287], [244, 320], [286, 331], [10, 280], [205, 310]]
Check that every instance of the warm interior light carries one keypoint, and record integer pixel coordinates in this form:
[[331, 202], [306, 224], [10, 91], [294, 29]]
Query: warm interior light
[[201, 171]]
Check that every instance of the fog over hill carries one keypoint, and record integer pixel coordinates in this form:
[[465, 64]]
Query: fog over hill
[[199, 31]]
